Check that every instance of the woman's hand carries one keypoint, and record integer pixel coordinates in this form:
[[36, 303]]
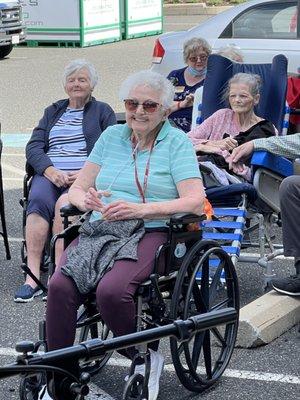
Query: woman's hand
[[120, 210], [225, 144], [188, 101], [57, 177], [208, 148], [72, 175], [92, 200]]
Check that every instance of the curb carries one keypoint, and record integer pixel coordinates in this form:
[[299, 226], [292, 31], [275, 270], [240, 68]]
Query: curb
[[193, 9], [266, 318]]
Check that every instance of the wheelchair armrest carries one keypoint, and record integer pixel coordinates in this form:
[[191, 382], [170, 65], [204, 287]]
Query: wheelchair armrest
[[296, 166], [280, 165], [184, 219], [69, 210]]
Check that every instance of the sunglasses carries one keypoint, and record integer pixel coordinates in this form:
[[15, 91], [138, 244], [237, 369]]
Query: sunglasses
[[201, 58], [148, 105]]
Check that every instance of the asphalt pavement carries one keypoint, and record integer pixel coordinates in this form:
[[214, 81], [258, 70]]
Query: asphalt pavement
[[31, 81]]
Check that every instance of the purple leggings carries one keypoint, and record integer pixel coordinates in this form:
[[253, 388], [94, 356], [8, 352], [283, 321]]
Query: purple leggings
[[114, 295], [43, 196]]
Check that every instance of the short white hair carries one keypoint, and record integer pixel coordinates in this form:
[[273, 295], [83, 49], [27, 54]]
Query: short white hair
[[152, 79], [77, 65]]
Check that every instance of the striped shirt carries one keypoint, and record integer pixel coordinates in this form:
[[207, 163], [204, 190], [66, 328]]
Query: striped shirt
[[173, 159], [67, 145]]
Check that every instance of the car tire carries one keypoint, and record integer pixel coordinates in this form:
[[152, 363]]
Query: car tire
[[5, 50]]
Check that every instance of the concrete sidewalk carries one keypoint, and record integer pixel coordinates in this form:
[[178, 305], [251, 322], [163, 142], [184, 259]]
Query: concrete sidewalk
[[192, 9]]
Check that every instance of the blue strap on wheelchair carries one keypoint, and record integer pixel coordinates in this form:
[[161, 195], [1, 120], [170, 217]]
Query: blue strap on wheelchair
[[228, 233]]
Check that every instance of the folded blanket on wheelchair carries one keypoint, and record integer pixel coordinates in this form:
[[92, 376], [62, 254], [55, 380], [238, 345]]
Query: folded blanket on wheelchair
[[101, 243]]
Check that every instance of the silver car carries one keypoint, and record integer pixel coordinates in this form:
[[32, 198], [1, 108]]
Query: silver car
[[261, 29]]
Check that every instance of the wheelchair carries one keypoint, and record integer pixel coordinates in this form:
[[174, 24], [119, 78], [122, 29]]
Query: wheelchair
[[189, 284]]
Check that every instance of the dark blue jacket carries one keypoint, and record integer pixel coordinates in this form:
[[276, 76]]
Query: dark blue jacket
[[97, 116]]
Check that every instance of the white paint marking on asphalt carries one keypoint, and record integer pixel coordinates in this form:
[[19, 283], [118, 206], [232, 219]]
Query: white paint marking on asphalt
[[13, 155], [13, 239], [229, 373], [10, 168], [13, 179], [282, 257]]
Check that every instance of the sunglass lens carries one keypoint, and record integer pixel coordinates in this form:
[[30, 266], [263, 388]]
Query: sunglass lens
[[131, 105], [150, 106]]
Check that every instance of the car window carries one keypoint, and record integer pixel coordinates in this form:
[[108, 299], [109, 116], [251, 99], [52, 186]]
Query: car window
[[266, 21]]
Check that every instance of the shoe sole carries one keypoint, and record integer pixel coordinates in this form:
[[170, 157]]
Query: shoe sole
[[21, 300], [285, 292]]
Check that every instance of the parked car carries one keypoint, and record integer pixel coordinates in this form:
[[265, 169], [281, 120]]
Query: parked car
[[12, 29], [261, 29]]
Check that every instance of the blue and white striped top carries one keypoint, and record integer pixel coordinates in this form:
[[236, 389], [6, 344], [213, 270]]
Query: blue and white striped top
[[173, 159], [67, 145]]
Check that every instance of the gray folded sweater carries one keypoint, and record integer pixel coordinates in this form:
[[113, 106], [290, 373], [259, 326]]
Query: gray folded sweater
[[101, 243]]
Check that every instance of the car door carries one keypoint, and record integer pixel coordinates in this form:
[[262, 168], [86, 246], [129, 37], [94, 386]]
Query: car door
[[264, 30]]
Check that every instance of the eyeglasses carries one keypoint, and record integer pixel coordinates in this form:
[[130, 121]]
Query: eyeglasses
[[203, 57], [148, 105]]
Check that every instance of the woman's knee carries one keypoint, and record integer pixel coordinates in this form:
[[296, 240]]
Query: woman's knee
[[60, 287], [110, 294]]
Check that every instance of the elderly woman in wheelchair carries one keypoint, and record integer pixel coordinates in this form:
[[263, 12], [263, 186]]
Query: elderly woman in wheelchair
[[136, 177], [58, 147], [227, 128]]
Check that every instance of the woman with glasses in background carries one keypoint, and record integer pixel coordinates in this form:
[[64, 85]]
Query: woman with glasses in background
[[136, 177], [186, 80]]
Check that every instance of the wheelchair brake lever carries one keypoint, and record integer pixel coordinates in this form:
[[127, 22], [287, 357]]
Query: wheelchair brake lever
[[157, 299]]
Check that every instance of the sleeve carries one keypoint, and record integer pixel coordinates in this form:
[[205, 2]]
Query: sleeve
[[293, 92], [36, 147], [201, 133], [107, 118], [183, 160], [96, 155], [286, 146]]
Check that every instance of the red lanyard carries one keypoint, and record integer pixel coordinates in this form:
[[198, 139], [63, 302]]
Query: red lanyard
[[142, 190]]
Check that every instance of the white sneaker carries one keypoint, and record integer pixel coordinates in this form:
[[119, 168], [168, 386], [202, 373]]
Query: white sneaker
[[156, 367], [43, 394]]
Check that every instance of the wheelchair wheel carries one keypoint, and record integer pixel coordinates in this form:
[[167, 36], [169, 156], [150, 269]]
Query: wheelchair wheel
[[206, 281], [29, 387], [134, 388], [97, 329]]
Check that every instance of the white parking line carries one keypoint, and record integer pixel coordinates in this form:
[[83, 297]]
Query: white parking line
[[10, 168], [229, 373]]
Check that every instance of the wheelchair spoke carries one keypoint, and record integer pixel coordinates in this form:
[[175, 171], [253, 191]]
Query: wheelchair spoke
[[199, 299], [215, 282], [207, 354], [198, 343], [219, 336], [181, 348], [220, 305]]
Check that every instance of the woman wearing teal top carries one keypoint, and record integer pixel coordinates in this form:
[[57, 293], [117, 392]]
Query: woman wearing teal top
[[144, 170]]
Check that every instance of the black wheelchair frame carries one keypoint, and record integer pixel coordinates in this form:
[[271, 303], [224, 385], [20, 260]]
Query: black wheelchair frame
[[188, 287], [64, 385]]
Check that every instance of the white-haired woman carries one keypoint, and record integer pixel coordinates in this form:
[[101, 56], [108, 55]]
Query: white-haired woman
[[229, 127], [56, 151], [137, 175], [186, 80]]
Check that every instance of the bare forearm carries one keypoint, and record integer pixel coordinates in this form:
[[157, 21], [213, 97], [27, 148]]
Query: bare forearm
[[167, 208]]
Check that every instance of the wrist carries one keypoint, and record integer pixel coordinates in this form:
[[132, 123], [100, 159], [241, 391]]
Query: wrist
[[178, 105]]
